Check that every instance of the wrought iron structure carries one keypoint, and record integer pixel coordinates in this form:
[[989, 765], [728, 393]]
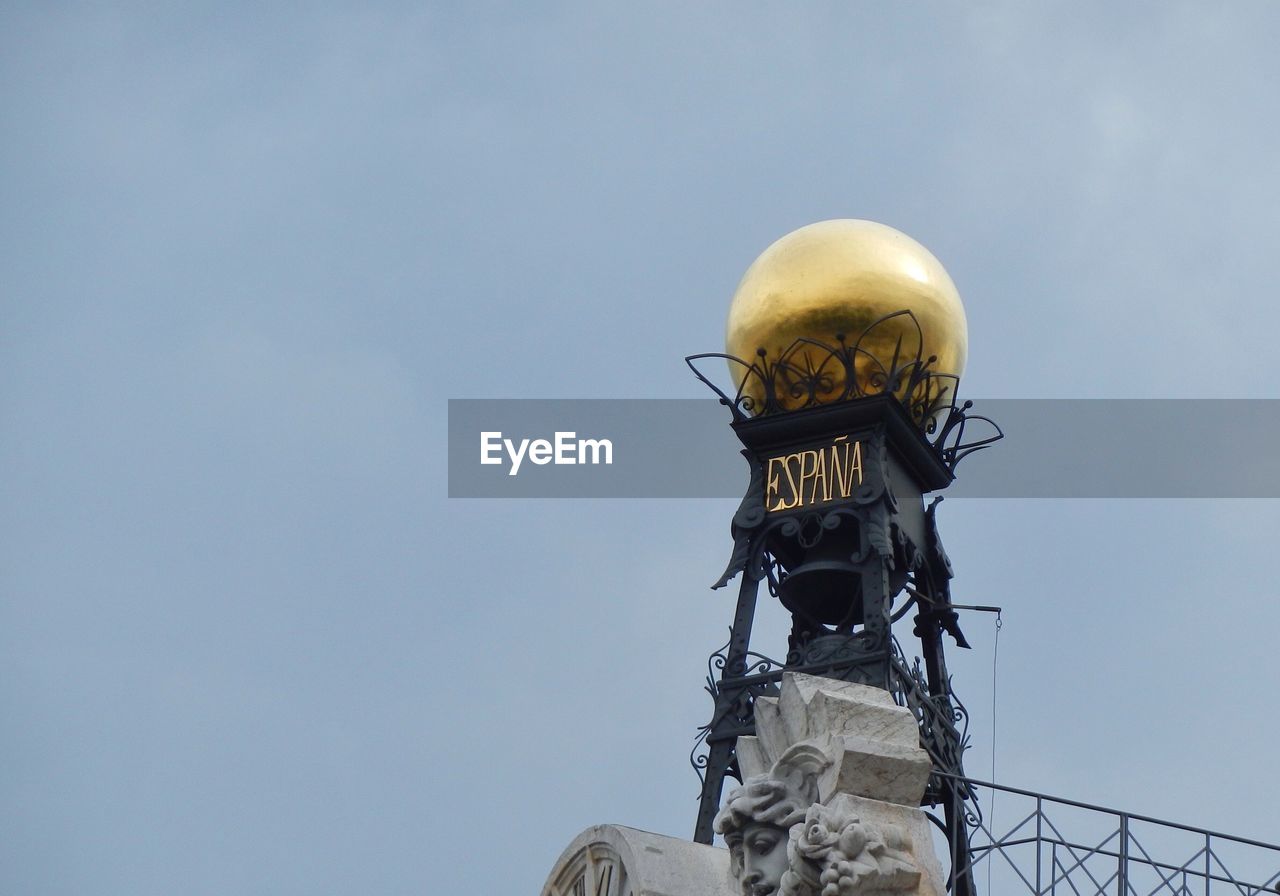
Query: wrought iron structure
[[842, 446], [1051, 845], [810, 373]]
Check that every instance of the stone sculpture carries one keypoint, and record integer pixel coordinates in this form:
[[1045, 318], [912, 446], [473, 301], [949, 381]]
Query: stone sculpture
[[833, 852], [757, 818], [829, 807], [833, 814]]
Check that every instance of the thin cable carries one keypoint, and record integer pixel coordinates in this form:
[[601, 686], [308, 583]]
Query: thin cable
[[995, 656]]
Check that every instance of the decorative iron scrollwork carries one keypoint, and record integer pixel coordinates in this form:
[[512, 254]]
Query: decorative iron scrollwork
[[734, 689], [810, 373], [943, 722]]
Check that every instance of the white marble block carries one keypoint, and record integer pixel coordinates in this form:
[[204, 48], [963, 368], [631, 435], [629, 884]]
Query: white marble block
[[874, 744]]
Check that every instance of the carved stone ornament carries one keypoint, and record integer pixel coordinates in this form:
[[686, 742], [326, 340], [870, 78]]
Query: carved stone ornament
[[835, 852], [830, 807], [872, 744], [610, 860], [836, 811]]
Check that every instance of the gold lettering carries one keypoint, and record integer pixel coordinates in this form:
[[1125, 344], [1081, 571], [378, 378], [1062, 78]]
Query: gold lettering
[[855, 465], [813, 476], [838, 475], [824, 471], [791, 481], [807, 464], [771, 499]]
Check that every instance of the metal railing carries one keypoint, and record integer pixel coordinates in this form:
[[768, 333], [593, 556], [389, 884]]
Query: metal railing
[[1049, 845]]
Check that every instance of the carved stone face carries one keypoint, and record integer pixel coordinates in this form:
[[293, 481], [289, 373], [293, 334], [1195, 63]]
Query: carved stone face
[[760, 859]]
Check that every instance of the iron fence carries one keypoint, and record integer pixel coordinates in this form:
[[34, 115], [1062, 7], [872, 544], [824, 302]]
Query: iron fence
[[1049, 845]]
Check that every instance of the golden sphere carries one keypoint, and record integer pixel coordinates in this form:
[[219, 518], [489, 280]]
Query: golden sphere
[[837, 278]]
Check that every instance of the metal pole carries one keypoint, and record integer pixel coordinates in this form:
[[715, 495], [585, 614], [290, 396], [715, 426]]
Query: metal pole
[[1208, 868], [930, 633], [1039, 841], [719, 741], [1122, 872], [961, 870]]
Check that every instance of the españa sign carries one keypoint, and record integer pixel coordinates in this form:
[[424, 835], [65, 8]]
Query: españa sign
[[811, 477]]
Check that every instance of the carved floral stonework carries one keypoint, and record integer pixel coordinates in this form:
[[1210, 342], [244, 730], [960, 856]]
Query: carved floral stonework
[[829, 809], [782, 842], [833, 852]]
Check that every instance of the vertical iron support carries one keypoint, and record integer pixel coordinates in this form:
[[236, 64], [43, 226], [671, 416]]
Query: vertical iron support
[[875, 615], [1208, 863], [930, 632], [1122, 872], [1039, 843], [722, 737]]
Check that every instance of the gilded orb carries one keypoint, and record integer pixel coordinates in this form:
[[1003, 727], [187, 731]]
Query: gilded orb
[[836, 279]]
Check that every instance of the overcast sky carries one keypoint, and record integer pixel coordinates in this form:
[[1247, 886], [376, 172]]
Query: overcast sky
[[248, 645]]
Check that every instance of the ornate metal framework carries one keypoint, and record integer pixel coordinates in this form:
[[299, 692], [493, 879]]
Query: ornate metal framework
[[874, 552], [1048, 845], [810, 373]]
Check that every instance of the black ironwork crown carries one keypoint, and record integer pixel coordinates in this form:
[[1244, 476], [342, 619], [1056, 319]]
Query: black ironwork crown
[[811, 373]]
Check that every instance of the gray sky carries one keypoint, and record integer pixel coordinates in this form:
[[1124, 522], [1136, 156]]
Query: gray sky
[[248, 645]]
